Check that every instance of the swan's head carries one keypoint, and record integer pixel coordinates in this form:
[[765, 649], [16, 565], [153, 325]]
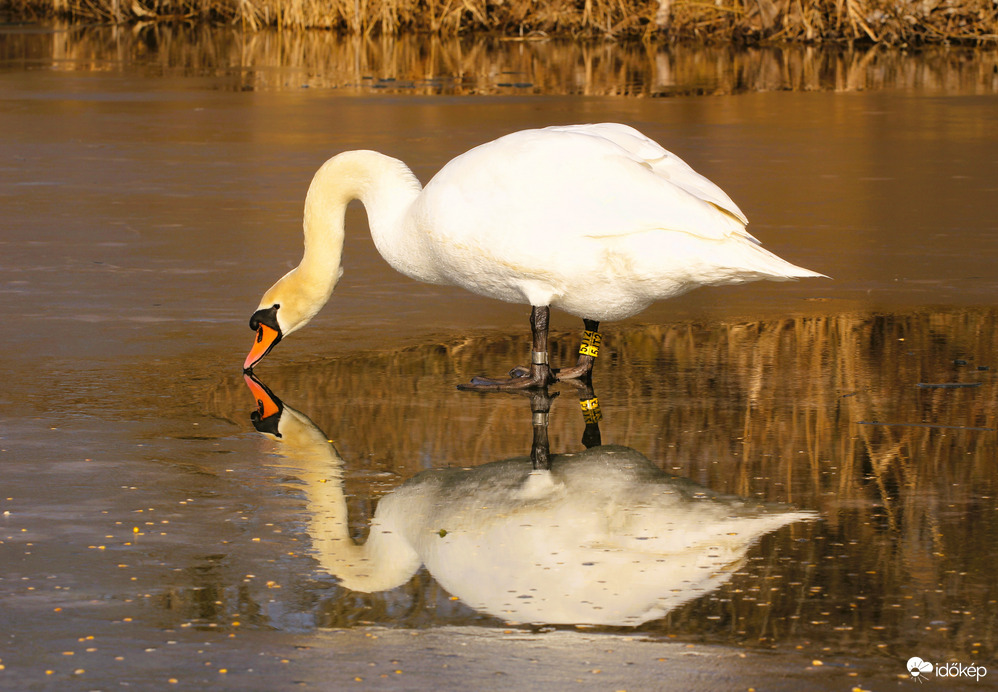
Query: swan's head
[[285, 308], [379, 182]]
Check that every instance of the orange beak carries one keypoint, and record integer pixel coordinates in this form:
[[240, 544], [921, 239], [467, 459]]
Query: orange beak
[[266, 338], [266, 403]]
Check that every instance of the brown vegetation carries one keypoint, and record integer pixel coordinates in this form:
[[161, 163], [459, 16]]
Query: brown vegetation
[[878, 21]]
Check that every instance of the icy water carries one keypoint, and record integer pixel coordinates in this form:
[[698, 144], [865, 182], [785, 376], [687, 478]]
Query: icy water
[[789, 485]]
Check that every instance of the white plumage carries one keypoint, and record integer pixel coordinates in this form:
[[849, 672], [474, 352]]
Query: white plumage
[[595, 220]]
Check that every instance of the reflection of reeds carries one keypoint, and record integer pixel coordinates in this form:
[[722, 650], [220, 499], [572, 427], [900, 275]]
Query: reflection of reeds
[[886, 21], [820, 411], [476, 65]]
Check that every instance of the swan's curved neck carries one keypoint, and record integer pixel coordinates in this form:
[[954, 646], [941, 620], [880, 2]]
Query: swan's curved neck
[[384, 185]]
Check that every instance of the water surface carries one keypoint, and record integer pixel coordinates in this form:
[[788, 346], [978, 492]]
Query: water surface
[[150, 533]]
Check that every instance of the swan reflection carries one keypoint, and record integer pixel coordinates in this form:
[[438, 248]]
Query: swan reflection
[[600, 537]]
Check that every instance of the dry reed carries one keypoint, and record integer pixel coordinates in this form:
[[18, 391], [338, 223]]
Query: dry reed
[[879, 21]]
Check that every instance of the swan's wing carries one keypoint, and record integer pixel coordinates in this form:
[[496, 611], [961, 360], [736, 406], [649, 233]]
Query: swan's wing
[[664, 163], [567, 183]]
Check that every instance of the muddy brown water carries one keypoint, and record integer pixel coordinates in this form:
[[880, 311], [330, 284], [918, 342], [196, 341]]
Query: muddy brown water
[[151, 538]]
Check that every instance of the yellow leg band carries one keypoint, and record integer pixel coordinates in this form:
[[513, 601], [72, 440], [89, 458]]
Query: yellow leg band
[[590, 410], [590, 343]]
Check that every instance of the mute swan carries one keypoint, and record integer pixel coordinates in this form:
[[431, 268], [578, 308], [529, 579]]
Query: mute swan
[[604, 537], [596, 220]]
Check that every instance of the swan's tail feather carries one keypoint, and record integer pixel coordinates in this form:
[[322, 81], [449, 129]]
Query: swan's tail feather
[[754, 262]]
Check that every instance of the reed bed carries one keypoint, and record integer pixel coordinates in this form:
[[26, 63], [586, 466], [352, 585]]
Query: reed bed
[[879, 21], [277, 60]]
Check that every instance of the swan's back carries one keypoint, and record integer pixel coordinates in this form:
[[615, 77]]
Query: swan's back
[[580, 181], [597, 220]]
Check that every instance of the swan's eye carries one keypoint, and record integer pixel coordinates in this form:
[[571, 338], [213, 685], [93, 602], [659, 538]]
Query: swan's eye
[[266, 316]]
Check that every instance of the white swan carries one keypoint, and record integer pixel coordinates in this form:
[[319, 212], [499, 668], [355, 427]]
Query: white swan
[[596, 220], [604, 537]]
